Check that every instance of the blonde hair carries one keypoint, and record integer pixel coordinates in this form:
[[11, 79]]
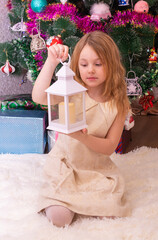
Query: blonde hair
[[115, 87]]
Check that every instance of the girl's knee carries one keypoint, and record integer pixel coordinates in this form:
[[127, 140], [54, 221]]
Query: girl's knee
[[59, 215]]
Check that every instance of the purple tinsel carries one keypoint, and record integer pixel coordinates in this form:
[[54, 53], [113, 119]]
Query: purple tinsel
[[39, 59], [85, 24], [55, 11], [136, 19]]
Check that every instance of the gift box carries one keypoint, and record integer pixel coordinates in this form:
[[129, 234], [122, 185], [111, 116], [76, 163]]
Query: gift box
[[124, 142], [22, 102], [51, 139], [23, 131]]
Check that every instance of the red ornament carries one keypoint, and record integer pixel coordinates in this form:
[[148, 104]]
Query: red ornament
[[54, 40], [146, 101], [7, 68]]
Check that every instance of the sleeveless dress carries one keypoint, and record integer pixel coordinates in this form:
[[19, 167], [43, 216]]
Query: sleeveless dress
[[80, 179]]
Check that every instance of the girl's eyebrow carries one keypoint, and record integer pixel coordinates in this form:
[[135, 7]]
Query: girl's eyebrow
[[86, 59]]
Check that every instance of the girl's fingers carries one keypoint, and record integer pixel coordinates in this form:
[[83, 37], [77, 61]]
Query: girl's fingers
[[63, 52], [84, 130], [59, 51]]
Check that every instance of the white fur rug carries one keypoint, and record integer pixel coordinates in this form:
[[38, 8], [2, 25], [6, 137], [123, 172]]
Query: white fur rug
[[20, 180]]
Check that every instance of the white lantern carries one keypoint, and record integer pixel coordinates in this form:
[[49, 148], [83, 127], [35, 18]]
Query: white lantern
[[67, 120]]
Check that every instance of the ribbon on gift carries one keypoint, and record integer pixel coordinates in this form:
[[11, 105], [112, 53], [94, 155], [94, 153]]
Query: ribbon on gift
[[20, 104], [146, 101]]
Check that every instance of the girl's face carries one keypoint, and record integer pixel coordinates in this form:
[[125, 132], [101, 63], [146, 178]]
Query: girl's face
[[92, 70]]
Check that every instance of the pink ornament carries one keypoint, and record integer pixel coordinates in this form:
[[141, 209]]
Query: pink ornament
[[100, 11], [7, 68], [141, 7]]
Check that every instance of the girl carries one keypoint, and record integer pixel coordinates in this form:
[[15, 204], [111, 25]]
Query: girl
[[80, 176]]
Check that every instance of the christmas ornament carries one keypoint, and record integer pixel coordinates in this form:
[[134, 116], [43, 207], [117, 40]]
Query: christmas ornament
[[19, 27], [29, 75], [153, 56], [123, 2], [141, 7], [7, 68], [146, 101], [37, 43], [133, 87], [54, 39], [63, 1], [38, 5], [100, 11]]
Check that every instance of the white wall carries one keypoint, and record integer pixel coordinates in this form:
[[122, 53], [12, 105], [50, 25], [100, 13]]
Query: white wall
[[10, 85]]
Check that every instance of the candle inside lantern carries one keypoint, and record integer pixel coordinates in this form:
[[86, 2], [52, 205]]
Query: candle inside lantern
[[72, 117]]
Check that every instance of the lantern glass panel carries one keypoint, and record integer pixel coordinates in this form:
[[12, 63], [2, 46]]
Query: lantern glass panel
[[66, 111], [54, 112], [54, 115], [75, 112]]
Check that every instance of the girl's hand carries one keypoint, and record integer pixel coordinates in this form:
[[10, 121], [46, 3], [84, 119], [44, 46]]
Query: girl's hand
[[58, 52], [79, 134]]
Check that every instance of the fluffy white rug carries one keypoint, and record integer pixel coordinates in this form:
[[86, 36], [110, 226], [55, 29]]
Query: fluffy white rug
[[20, 180]]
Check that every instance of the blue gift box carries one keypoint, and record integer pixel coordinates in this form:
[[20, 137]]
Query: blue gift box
[[23, 131]]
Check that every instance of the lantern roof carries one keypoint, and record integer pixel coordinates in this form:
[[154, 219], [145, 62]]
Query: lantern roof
[[65, 85]]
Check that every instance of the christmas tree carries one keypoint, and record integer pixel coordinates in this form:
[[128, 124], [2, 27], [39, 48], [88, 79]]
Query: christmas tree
[[38, 21]]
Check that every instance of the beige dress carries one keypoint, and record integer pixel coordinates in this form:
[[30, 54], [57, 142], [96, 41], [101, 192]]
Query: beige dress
[[80, 179]]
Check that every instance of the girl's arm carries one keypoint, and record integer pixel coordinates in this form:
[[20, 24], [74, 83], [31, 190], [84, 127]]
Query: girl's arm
[[55, 53], [105, 145]]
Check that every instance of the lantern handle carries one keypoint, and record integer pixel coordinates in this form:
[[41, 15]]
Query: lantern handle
[[66, 63]]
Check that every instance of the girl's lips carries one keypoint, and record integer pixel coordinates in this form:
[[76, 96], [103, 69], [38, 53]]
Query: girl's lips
[[91, 78]]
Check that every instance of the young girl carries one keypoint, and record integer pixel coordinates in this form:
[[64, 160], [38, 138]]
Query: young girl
[[80, 176]]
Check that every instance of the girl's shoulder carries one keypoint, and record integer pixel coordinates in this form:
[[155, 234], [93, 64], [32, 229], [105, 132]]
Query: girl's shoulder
[[109, 107]]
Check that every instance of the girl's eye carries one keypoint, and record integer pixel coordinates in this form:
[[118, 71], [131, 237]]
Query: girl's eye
[[98, 64], [83, 65]]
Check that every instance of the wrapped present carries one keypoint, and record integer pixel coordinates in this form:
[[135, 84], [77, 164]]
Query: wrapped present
[[51, 139], [23, 131], [119, 147], [21, 104], [129, 121], [124, 141], [147, 104], [22, 101]]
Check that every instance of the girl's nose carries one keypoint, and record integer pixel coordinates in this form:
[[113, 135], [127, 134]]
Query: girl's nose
[[91, 68]]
